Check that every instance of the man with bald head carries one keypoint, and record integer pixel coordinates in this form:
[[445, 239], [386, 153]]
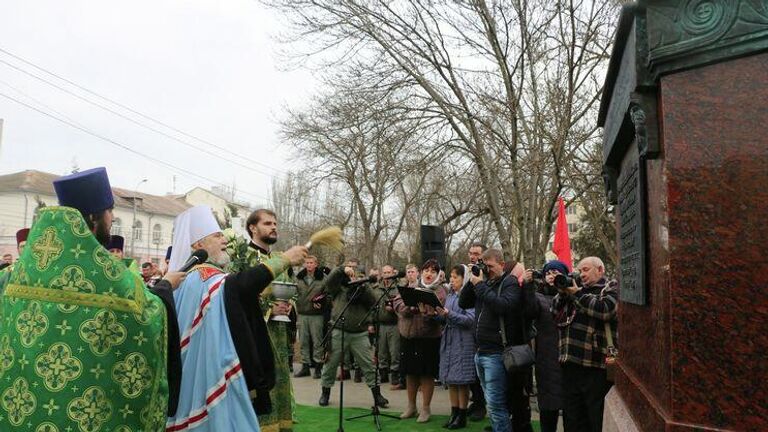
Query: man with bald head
[[583, 314]]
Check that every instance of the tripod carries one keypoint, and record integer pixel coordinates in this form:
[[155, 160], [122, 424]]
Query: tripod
[[375, 412], [341, 320]]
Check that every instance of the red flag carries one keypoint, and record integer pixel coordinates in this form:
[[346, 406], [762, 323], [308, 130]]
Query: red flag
[[562, 246]]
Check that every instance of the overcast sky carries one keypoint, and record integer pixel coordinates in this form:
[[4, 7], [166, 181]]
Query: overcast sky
[[206, 67]]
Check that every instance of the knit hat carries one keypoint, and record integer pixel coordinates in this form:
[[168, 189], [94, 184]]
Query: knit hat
[[555, 265]]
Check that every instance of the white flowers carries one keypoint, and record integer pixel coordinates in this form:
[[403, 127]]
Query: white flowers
[[230, 234]]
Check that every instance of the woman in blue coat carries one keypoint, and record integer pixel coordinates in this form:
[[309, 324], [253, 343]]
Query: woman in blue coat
[[457, 349]]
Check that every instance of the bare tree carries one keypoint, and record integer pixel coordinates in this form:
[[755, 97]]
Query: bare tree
[[369, 145], [515, 84], [303, 208]]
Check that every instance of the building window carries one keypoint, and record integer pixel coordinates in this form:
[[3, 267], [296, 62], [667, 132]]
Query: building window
[[157, 234], [572, 227], [117, 226], [570, 210], [137, 231]]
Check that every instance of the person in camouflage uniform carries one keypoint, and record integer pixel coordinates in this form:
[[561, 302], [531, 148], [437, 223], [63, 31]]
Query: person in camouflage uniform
[[389, 336]]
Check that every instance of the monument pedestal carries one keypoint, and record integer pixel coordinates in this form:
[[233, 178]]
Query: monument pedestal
[[685, 115]]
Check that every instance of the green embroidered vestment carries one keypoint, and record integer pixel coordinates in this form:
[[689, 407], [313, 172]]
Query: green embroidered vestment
[[83, 343]]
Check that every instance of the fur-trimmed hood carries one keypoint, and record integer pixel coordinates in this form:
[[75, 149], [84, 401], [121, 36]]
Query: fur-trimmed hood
[[320, 273]]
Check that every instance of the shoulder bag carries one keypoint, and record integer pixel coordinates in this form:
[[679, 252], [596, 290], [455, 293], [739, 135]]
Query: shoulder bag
[[517, 358]]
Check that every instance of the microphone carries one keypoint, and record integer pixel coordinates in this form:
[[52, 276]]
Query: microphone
[[361, 281], [400, 274], [198, 257]]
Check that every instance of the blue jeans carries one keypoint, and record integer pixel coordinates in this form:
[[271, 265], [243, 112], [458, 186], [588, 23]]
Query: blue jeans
[[493, 379]]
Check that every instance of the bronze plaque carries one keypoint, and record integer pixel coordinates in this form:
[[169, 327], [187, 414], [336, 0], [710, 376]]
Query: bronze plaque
[[632, 219]]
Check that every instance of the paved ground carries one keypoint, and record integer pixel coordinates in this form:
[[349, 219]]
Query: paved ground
[[307, 392]]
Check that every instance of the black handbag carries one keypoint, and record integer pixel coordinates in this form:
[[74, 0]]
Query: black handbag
[[517, 358]]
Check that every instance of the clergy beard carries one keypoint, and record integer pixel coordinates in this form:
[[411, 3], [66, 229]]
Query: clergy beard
[[269, 240], [101, 231], [221, 259]]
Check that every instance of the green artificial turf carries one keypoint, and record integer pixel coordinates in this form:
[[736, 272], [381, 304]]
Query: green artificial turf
[[317, 419]]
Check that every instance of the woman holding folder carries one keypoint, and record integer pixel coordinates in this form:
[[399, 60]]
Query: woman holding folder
[[420, 333]]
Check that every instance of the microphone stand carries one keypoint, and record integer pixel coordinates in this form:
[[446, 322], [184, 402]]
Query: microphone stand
[[328, 337], [375, 411]]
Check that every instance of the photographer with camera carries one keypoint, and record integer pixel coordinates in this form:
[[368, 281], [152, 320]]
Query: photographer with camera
[[583, 310], [548, 373], [476, 409], [497, 300]]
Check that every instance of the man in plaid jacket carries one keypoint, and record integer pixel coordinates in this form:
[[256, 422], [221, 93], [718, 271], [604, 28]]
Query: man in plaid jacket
[[581, 313]]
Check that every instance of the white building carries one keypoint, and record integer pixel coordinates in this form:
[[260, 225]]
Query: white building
[[23, 193], [227, 212]]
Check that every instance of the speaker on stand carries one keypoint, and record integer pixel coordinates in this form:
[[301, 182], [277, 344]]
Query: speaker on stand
[[432, 239]]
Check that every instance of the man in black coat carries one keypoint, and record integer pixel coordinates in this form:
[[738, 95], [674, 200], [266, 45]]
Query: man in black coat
[[498, 301]]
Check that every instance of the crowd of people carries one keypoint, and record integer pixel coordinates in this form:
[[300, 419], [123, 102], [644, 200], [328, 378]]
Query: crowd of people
[[115, 346], [460, 344]]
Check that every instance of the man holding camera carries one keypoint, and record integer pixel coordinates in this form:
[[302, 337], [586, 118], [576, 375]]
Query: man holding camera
[[498, 300], [476, 409], [583, 312]]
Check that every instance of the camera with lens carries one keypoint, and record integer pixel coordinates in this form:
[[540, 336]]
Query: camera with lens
[[537, 275], [565, 281], [479, 267]]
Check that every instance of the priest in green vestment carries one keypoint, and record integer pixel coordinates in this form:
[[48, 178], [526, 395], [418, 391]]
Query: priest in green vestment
[[84, 346]]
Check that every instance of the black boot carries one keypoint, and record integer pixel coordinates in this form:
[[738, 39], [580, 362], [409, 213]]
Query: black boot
[[460, 422], [358, 376], [318, 371], [476, 411], [304, 372], [384, 375], [454, 413], [378, 399], [325, 397]]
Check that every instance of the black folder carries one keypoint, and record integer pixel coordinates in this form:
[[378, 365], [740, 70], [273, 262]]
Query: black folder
[[414, 296]]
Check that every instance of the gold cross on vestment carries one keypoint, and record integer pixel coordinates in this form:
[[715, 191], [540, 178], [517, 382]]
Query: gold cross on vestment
[[47, 248]]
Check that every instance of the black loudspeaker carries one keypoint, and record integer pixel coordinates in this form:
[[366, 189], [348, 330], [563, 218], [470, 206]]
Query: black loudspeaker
[[433, 244]]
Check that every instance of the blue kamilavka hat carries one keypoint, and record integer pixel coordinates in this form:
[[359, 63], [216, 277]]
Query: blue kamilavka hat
[[88, 191], [116, 242]]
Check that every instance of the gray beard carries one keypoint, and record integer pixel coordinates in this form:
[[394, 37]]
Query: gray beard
[[221, 259]]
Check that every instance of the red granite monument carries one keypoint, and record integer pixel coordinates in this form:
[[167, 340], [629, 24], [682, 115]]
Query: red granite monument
[[685, 118]]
